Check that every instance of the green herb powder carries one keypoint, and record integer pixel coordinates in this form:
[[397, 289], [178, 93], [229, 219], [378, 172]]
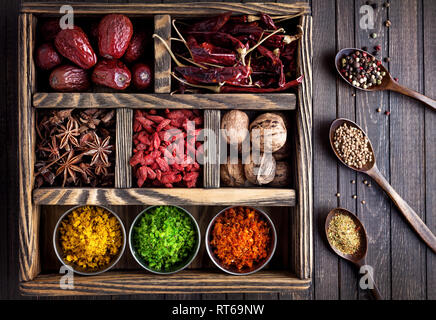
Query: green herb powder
[[164, 237]]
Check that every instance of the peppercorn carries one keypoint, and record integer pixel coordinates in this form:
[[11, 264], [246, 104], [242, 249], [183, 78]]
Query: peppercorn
[[386, 4], [353, 181], [373, 35], [396, 79], [365, 181], [388, 23], [365, 48], [354, 197], [363, 201], [378, 110], [387, 59], [387, 113], [377, 47], [338, 194]]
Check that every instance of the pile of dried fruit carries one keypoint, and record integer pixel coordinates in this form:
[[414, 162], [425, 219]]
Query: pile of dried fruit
[[166, 147], [240, 238], [75, 148], [115, 37], [230, 53]]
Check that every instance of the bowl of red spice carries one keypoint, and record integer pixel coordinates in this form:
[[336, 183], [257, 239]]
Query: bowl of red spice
[[241, 240]]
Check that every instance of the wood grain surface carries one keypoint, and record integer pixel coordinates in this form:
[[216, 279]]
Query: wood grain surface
[[181, 9], [184, 282], [283, 101], [159, 196]]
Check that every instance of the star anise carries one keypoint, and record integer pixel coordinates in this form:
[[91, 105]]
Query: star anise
[[58, 117], [68, 134], [87, 173], [102, 168], [91, 118], [52, 148], [69, 168], [99, 150]]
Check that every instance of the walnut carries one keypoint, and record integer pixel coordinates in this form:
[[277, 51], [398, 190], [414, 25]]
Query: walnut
[[282, 176], [283, 153], [232, 175], [261, 169], [268, 127], [236, 123]]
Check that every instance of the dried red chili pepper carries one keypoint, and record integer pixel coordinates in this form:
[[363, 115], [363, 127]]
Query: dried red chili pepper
[[243, 29], [214, 75], [220, 39], [287, 85], [208, 53], [268, 21], [212, 24], [276, 63]]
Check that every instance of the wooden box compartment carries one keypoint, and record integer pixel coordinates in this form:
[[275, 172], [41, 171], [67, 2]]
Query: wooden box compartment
[[290, 208]]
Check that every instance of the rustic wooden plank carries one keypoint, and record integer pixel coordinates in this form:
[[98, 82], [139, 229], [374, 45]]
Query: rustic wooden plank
[[28, 212], [179, 10], [375, 213], [325, 165], [407, 149], [185, 282], [211, 168], [277, 101], [346, 107], [155, 196], [162, 62], [302, 227], [429, 25], [124, 131]]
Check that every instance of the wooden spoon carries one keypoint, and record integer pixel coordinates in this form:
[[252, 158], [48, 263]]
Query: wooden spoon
[[371, 169], [359, 258], [388, 83]]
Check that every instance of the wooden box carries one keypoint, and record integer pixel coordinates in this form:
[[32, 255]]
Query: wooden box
[[39, 209]]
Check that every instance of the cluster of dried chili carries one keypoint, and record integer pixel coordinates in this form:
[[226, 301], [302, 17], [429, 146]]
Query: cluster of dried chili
[[236, 54], [166, 148], [240, 238]]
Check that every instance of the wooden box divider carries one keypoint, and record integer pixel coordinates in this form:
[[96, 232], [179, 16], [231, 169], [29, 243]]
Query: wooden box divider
[[123, 148], [211, 168], [124, 193]]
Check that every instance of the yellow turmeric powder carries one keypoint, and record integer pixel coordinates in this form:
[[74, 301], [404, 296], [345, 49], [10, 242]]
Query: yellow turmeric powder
[[90, 237]]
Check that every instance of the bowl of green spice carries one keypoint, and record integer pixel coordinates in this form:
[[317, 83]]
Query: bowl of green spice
[[164, 239]]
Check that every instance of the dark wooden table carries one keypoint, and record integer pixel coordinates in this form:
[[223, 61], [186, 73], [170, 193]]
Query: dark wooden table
[[404, 141]]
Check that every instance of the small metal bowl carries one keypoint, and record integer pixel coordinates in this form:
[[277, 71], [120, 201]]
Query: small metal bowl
[[76, 269], [256, 267], [176, 268]]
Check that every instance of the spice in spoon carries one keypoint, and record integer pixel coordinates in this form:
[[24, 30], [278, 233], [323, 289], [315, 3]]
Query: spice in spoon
[[344, 234], [362, 70], [352, 146]]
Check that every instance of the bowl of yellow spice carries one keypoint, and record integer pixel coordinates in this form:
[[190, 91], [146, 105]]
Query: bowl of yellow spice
[[89, 239]]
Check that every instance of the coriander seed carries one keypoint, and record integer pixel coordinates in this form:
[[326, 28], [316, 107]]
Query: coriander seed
[[352, 146]]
